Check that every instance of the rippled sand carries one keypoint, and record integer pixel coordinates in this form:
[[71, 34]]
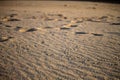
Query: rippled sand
[[53, 40]]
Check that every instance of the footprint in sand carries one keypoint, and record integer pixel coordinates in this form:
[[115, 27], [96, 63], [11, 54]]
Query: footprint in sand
[[12, 15], [34, 17], [70, 25], [31, 17], [95, 34], [60, 15], [81, 33], [115, 33], [65, 18], [10, 19], [94, 20], [73, 25], [64, 28], [79, 21], [31, 30], [13, 19], [91, 8], [57, 19], [8, 26], [1, 23], [48, 27], [5, 18], [5, 38], [5, 24], [97, 19], [65, 5], [103, 17], [117, 23], [20, 29], [48, 19]]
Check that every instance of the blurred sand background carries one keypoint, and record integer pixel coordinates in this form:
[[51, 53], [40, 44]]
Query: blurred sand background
[[59, 40]]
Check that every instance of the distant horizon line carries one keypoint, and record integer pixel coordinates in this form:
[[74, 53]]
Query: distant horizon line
[[109, 1]]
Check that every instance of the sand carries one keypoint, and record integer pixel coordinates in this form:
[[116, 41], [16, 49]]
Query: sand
[[59, 40]]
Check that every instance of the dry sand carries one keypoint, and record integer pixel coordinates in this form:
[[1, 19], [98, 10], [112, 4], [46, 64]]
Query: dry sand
[[53, 40]]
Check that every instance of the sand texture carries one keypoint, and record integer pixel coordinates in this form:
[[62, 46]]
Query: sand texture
[[55, 40]]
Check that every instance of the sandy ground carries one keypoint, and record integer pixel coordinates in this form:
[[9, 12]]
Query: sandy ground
[[59, 40]]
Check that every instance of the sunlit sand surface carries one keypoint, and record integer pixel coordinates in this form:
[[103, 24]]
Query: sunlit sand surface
[[55, 40]]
